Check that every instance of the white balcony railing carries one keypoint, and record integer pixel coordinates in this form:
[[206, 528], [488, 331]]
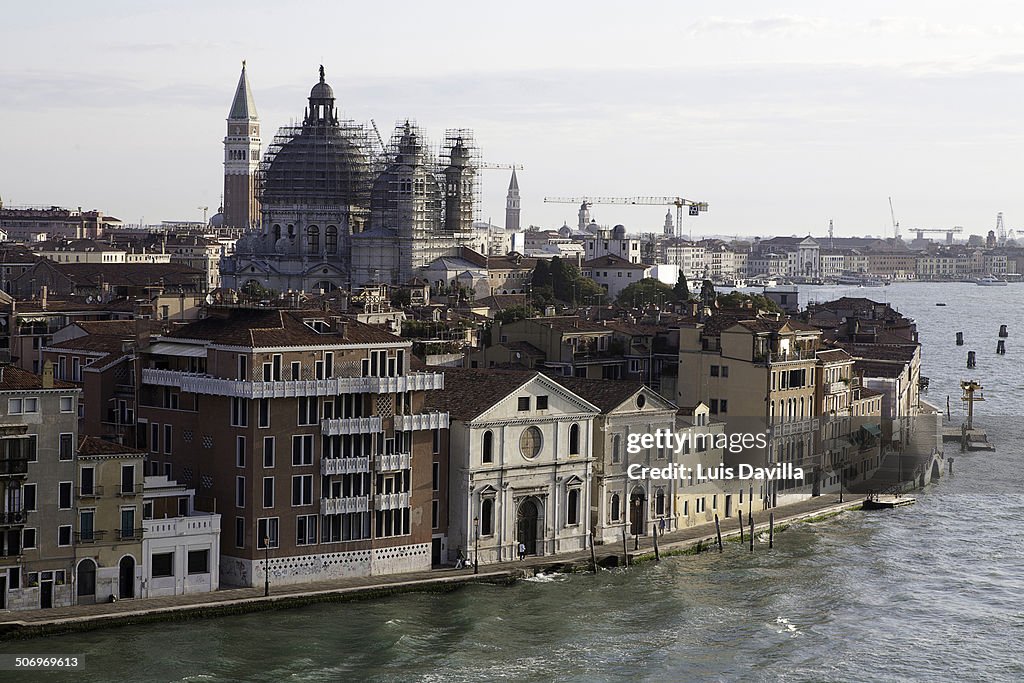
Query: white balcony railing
[[330, 466], [395, 461], [337, 506], [195, 383], [350, 425], [837, 387], [433, 420], [173, 527], [392, 501]]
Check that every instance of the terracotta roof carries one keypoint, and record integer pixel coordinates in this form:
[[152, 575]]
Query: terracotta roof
[[569, 323], [633, 329], [833, 356], [13, 378], [871, 368], [92, 342], [91, 445], [468, 393], [613, 261], [887, 352], [866, 392], [130, 274], [265, 327], [606, 394]]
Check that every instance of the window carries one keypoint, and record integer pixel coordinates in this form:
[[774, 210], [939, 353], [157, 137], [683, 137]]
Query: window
[[302, 449], [30, 446], [435, 514], [488, 454], [725, 371], [199, 561], [67, 404], [268, 492], [264, 413], [542, 403], [240, 451], [572, 512], [713, 408], [127, 522], [332, 239], [19, 406], [161, 565], [29, 497], [168, 429], [309, 409], [64, 495], [701, 505], [67, 446], [64, 535], [659, 503], [86, 525], [268, 451], [296, 370], [239, 532], [436, 441], [239, 412], [616, 507], [487, 517], [714, 371], [302, 489], [266, 533], [574, 439], [305, 529], [524, 403], [617, 449], [240, 492], [723, 406], [154, 446], [435, 477]]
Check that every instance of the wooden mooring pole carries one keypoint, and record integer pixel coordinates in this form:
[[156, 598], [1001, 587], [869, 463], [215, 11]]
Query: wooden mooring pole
[[593, 553], [771, 530], [740, 515], [657, 553], [718, 532], [625, 551], [751, 533]]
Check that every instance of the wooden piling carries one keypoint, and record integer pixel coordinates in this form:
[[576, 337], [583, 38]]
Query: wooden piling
[[951, 465], [971, 361], [740, 515], [1002, 331], [771, 530], [959, 338], [751, 533], [625, 551], [657, 554], [718, 532], [1001, 347], [593, 553]]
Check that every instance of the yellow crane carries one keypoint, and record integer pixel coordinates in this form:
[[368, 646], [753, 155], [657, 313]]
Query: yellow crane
[[693, 208]]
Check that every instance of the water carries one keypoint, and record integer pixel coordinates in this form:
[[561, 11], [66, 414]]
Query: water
[[929, 592]]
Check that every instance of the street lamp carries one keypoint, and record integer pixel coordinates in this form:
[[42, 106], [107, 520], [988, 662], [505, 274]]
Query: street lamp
[[476, 545], [266, 566]]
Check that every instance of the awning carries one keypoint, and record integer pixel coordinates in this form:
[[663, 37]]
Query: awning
[[169, 349], [872, 429]]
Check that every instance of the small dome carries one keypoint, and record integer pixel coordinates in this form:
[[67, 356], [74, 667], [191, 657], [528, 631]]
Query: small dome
[[321, 91]]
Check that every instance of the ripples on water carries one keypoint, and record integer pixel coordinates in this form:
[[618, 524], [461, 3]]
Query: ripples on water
[[930, 592]]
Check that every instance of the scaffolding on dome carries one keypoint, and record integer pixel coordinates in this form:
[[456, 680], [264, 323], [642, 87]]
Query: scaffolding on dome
[[407, 195], [459, 170]]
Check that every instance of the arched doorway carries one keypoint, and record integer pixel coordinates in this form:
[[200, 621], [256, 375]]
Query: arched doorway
[[637, 512], [126, 577], [527, 520], [86, 580]]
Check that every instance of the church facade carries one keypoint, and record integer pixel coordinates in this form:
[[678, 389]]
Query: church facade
[[340, 209]]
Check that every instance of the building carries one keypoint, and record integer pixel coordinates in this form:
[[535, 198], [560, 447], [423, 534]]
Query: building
[[520, 464], [108, 540], [32, 224], [614, 273], [615, 242], [308, 430], [572, 346], [93, 251], [241, 159], [512, 204], [107, 281], [38, 430]]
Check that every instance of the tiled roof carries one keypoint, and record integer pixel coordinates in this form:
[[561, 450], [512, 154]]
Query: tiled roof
[[13, 378], [886, 352], [613, 261], [606, 394], [468, 393], [871, 368], [264, 327], [92, 342], [833, 356], [130, 274], [569, 323], [91, 445]]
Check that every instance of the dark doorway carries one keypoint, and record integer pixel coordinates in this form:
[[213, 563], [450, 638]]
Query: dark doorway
[[46, 594], [126, 577], [86, 582], [637, 513], [526, 525], [728, 507], [3, 591], [435, 552]]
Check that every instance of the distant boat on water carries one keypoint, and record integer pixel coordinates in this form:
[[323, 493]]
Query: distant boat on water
[[860, 279], [990, 281]]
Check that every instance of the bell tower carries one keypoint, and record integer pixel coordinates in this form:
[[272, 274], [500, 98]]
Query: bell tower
[[512, 204], [241, 159]]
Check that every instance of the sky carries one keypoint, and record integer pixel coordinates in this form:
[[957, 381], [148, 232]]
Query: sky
[[781, 115]]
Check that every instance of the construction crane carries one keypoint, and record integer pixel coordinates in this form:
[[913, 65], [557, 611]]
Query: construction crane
[[694, 208], [895, 223], [204, 209], [376, 132], [1000, 229], [955, 230], [507, 167]]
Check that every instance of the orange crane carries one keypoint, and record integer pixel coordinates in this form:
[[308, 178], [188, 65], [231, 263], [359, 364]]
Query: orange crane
[[693, 208]]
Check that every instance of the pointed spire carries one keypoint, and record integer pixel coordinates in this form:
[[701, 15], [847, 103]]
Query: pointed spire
[[243, 106], [513, 184]]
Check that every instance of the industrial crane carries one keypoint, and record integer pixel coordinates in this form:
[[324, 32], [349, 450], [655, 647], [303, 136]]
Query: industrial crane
[[508, 167], [895, 223], [694, 208]]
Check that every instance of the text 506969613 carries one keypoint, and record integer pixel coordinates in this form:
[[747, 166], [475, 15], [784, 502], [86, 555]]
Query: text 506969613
[[40, 662]]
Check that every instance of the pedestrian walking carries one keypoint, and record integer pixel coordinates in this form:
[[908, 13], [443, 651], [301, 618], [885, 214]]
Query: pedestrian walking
[[522, 551]]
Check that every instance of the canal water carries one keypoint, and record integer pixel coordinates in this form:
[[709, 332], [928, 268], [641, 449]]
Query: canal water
[[930, 592]]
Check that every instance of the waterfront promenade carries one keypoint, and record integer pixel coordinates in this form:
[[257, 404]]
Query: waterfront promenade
[[238, 600]]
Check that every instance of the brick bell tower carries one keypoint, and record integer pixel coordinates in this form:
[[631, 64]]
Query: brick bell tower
[[241, 159]]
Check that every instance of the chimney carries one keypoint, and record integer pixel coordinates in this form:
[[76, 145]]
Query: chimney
[[42, 297], [48, 375], [340, 326]]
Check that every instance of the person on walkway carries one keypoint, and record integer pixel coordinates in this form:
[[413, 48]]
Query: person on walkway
[[460, 561], [661, 526], [522, 551]]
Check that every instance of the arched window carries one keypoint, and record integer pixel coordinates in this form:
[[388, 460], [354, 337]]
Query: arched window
[[659, 503], [488, 455], [332, 239], [574, 440], [313, 239], [487, 517], [277, 233], [572, 508], [617, 448], [616, 508]]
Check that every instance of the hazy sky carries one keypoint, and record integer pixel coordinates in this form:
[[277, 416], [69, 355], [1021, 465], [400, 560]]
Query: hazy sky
[[781, 115]]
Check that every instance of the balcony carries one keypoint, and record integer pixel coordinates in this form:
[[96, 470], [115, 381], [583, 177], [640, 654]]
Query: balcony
[[89, 536], [90, 492], [394, 461], [196, 383], [351, 425], [129, 491], [197, 524], [14, 467], [331, 466], [392, 501], [836, 387], [337, 506], [418, 421], [795, 427], [15, 518], [129, 534]]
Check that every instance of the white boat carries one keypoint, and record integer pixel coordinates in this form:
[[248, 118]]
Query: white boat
[[860, 280], [990, 281]]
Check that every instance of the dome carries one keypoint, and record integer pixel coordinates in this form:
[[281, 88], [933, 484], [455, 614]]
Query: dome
[[406, 194], [321, 91], [318, 165]]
